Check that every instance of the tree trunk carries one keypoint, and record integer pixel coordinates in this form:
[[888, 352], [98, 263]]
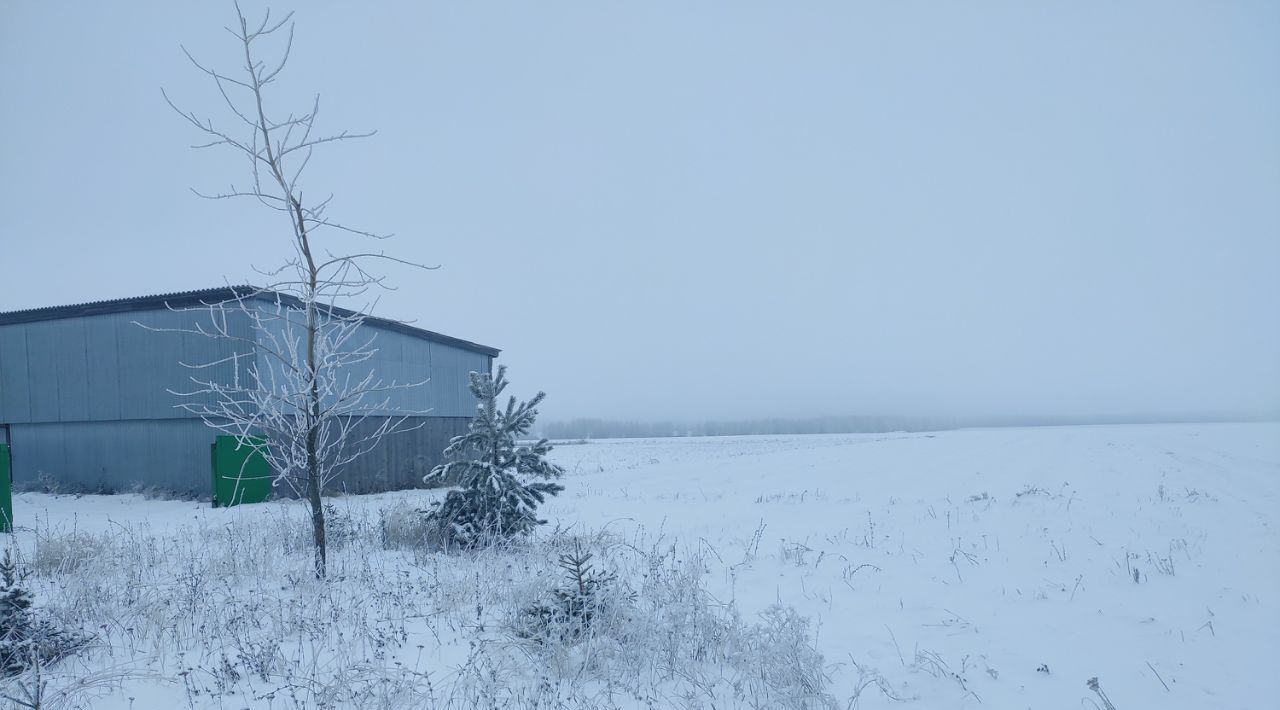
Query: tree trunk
[[317, 522], [314, 480]]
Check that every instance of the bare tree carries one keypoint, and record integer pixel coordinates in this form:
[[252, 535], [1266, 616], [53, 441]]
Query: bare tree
[[302, 378]]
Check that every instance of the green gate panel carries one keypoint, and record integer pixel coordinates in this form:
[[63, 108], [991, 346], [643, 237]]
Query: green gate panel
[[241, 473], [6, 490]]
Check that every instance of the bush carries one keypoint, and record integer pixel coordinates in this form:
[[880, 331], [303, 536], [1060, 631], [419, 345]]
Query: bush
[[573, 608], [499, 479], [404, 526], [341, 528], [28, 639]]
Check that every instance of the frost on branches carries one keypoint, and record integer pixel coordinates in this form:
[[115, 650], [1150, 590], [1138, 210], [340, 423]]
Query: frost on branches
[[301, 380], [500, 483]]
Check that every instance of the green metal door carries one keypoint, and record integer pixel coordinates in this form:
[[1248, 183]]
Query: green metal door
[[241, 473], [6, 490]]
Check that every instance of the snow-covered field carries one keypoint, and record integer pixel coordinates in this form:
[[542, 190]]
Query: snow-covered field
[[994, 568]]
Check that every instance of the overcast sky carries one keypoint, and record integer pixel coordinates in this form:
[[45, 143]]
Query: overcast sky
[[733, 210]]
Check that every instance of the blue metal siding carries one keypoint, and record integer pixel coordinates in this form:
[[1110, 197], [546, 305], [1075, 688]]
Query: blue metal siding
[[444, 388], [168, 454], [87, 400], [173, 455], [406, 360], [42, 372], [71, 369], [104, 367], [133, 365], [150, 363], [15, 382], [402, 459], [103, 355], [403, 360], [450, 393]]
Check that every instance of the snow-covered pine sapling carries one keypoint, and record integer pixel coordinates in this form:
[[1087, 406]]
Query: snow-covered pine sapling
[[27, 639], [15, 620], [573, 607], [500, 483]]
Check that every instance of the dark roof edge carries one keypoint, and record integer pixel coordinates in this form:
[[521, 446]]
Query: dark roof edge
[[188, 299]]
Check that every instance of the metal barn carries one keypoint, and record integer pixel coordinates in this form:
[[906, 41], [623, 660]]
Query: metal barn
[[85, 402]]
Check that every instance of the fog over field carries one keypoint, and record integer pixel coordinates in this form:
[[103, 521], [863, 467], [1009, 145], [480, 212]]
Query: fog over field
[[665, 211]]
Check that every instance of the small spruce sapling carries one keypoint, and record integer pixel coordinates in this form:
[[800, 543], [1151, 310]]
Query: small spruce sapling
[[574, 607], [500, 483], [27, 639], [15, 620]]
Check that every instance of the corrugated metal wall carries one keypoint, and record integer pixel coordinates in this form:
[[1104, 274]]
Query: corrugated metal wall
[[403, 458], [113, 456], [402, 359], [104, 367], [406, 359], [87, 402], [172, 455]]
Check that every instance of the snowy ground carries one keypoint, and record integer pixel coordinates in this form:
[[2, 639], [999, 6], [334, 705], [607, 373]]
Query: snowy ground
[[982, 568]]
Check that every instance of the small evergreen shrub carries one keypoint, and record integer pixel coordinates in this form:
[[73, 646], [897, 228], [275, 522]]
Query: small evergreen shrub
[[500, 482], [572, 609], [27, 638], [341, 528]]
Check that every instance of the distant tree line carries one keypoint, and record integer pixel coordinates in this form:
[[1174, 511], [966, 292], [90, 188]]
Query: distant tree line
[[851, 424]]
